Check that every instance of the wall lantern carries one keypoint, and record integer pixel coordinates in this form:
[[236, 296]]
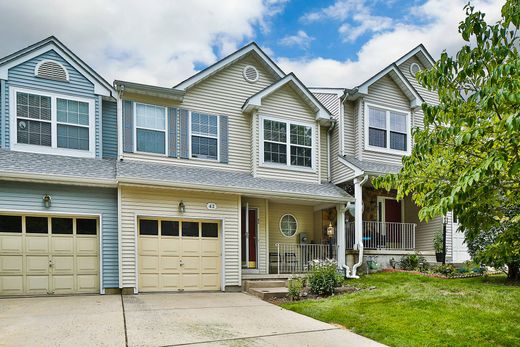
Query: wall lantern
[[182, 207], [330, 230], [47, 201]]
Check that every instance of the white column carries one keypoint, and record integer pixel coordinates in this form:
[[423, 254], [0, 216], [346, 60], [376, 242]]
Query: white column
[[340, 234], [358, 214]]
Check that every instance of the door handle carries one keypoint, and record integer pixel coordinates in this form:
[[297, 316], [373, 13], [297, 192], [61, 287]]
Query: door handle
[[50, 263], [181, 263]]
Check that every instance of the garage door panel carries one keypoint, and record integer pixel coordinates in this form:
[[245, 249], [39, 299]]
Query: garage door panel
[[170, 246], [191, 264], [11, 244], [210, 247], [62, 245], [149, 245], [191, 281], [210, 264], [86, 264], [63, 264], [170, 264], [86, 245], [37, 244], [190, 246], [37, 264], [87, 283], [62, 284], [10, 285], [211, 281], [37, 284], [11, 264], [149, 264], [170, 281], [149, 282]]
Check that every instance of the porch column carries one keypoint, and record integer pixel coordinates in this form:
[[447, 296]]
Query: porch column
[[340, 234]]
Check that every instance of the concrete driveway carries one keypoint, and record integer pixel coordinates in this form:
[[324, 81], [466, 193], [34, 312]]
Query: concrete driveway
[[193, 319]]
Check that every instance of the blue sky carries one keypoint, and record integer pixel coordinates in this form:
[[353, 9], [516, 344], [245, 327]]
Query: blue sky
[[335, 43]]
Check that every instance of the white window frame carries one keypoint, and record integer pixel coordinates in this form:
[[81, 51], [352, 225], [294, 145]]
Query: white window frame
[[387, 149], [288, 165], [190, 134], [53, 149], [165, 130]]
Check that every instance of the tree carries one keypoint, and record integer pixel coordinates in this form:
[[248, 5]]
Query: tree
[[466, 159]]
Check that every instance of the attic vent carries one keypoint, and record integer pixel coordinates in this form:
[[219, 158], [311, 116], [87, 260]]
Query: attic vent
[[251, 74], [414, 69], [51, 70]]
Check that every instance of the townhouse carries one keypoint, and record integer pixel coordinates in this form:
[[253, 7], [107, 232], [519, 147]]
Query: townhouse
[[238, 172]]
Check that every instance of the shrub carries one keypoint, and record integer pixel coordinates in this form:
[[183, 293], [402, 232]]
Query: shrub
[[446, 270], [295, 287], [324, 277], [412, 262]]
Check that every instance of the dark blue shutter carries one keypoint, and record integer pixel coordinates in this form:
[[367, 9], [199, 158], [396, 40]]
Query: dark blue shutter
[[128, 126], [172, 132], [224, 139], [184, 130]]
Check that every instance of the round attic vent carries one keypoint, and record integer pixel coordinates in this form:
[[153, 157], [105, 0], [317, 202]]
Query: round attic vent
[[414, 69], [251, 74], [51, 70]]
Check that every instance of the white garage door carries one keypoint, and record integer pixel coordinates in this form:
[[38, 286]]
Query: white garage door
[[178, 255], [48, 255]]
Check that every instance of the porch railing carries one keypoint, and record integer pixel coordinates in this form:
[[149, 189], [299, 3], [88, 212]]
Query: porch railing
[[384, 235], [296, 258]]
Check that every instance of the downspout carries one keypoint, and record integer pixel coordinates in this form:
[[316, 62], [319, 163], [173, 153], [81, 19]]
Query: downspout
[[358, 232], [329, 150]]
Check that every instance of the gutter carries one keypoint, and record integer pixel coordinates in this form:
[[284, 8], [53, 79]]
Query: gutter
[[59, 179]]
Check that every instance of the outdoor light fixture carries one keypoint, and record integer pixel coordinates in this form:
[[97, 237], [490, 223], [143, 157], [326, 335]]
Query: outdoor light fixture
[[182, 207], [47, 201], [330, 230]]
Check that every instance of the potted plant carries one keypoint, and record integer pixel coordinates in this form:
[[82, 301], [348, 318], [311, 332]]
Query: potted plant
[[438, 245]]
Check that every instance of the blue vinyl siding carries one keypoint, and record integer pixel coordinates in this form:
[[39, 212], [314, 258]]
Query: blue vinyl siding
[[109, 129], [71, 199], [22, 76]]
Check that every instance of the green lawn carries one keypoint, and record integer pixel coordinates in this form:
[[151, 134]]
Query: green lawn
[[414, 310]]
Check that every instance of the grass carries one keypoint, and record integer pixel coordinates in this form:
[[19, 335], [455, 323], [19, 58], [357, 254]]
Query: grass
[[414, 310]]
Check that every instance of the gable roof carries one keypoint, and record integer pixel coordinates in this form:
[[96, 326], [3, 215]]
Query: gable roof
[[221, 64], [101, 86], [361, 167], [255, 101], [422, 54]]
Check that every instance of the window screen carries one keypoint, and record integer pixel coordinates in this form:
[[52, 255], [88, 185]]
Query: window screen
[[33, 119]]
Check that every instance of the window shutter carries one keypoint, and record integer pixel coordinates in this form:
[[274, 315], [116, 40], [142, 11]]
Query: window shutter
[[172, 132], [128, 126], [184, 133], [224, 136]]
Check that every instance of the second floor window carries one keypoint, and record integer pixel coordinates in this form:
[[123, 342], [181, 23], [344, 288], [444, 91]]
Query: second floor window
[[287, 143], [387, 129], [204, 136], [33, 119], [150, 128]]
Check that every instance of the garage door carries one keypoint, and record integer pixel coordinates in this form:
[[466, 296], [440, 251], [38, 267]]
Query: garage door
[[178, 255], [48, 255]]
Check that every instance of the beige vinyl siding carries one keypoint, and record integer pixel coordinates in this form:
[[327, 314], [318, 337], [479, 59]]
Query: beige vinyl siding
[[262, 238], [424, 231], [330, 101], [155, 202], [383, 93], [349, 126], [285, 104], [324, 158], [304, 216], [224, 93]]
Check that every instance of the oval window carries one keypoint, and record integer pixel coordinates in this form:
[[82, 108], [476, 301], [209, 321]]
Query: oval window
[[288, 225]]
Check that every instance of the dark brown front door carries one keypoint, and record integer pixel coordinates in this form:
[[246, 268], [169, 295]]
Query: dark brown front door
[[249, 239], [392, 211]]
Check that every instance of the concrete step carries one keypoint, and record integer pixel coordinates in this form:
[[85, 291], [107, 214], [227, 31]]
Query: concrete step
[[264, 284], [269, 293]]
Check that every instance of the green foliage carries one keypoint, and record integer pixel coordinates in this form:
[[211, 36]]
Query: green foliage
[[446, 270], [466, 158], [413, 262], [324, 277], [295, 287], [438, 242]]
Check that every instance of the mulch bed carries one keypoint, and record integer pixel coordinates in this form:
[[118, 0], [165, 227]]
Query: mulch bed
[[437, 275], [307, 295]]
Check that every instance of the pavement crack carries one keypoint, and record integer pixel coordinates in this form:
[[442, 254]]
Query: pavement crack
[[124, 320]]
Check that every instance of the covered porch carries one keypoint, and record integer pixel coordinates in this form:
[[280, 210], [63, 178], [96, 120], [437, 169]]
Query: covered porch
[[281, 237]]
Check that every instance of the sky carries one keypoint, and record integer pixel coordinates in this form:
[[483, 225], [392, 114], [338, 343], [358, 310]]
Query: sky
[[328, 43]]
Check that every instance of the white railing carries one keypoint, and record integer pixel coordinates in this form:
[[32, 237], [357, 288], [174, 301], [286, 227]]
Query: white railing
[[384, 235], [291, 258]]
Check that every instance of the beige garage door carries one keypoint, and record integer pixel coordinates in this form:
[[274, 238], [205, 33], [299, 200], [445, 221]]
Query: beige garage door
[[178, 255], [48, 255]]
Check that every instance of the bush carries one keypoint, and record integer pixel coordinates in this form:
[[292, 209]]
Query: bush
[[446, 270], [324, 277], [295, 287], [413, 262]]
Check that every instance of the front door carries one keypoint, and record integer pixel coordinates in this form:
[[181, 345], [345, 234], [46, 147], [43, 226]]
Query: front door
[[389, 213], [249, 238]]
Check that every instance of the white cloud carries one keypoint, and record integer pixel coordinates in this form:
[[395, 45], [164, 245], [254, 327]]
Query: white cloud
[[300, 39], [157, 42], [438, 33]]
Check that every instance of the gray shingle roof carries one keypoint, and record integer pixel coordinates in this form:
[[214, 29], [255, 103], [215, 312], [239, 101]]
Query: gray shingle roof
[[211, 179], [19, 163], [371, 166]]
